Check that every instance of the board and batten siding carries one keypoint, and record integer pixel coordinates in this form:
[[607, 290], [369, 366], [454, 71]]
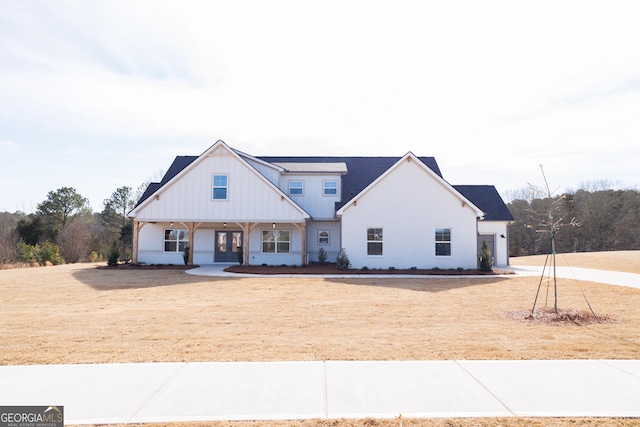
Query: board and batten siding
[[313, 200], [189, 198], [332, 248], [409, 204]]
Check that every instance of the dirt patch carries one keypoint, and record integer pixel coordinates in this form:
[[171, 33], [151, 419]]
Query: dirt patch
[[548, 316]]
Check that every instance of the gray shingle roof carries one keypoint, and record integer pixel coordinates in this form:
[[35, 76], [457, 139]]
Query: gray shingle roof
[[486, 198], [362, 171]]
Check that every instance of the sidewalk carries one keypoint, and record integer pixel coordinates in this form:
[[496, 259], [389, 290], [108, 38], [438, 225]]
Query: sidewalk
[[164, 392]]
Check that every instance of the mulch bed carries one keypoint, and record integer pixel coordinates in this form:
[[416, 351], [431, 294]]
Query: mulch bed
[[547, 316], [330, 268], [129, 266]]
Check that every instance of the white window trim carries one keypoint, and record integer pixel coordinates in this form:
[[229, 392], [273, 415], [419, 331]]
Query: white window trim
[[328, 238], [324, 194], [213, 187], [275, 252], [178, 240], [450, 241], [301, 188], [375, 241]]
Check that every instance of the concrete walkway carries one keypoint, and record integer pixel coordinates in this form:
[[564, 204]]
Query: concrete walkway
[[155, 392]]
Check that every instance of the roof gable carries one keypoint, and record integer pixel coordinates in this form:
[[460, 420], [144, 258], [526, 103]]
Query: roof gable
[[182, 164], [411, 157]]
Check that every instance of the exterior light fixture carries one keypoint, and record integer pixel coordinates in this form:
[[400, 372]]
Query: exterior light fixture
[[171, 224], [224, 225], [273, 225]]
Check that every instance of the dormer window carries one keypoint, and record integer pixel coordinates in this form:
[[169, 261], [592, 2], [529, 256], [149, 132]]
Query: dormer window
[[330, 188], [296, 188]]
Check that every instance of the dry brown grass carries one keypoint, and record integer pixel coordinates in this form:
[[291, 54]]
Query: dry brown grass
[[627, 261], [81, 314]]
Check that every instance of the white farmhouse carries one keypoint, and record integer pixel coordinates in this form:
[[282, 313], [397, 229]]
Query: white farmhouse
[[228, 206]]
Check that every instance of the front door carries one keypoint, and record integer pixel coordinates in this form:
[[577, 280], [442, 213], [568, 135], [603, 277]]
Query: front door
[[227, 244]]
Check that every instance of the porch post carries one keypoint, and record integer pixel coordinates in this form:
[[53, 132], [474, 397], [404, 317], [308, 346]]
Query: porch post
[[304, 243], [192, 234], [245, 243], [134, 241], [303, 231], [247, 228], [137, 226]]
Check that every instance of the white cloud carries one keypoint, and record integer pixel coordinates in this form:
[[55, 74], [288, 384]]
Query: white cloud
[[497, 87]]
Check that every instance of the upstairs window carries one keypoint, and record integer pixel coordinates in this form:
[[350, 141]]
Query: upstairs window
[[330, 188], [296, 188], [175, 240], [374, 241], [443, 242], [220, 187]]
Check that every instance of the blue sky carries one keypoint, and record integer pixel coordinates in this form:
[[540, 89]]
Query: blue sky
[[101, 94]]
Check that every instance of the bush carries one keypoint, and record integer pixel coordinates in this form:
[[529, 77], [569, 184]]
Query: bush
[[485, 258], [114, 255], [95, 257], [240, 255], [48, 252], [26, 252], [126, 255], [322, 256], [342, 261], [185, 255]]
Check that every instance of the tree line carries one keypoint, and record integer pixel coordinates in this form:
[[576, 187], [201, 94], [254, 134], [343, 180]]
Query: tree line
[[590, 219], [64, 229]]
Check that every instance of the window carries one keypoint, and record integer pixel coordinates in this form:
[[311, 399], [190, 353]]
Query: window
[[276, 241], [374, 241], [330, 188], [323, 237], [443, 242], [220, 187], [175, 240], [296, 188]]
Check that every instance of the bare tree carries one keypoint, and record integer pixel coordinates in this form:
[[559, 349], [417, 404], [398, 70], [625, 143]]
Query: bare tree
[[75, 240]]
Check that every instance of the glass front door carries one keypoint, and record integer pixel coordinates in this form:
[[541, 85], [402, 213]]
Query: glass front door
[[227, 244]]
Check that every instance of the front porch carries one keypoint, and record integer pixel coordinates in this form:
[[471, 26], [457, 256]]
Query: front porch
[[272, 243]]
